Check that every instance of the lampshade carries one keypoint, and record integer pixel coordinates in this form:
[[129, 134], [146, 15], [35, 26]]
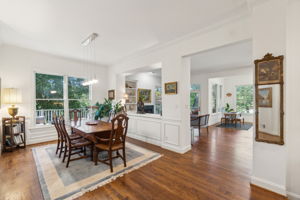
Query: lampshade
[[12, 96], [125, 96]]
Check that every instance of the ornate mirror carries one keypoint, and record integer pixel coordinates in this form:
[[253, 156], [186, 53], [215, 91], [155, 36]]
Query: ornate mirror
[[269, 99]]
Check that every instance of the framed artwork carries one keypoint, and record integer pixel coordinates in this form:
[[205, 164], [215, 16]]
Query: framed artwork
[[269, 70], [265, 97], [111, 94], [145, 94], [171, 88]]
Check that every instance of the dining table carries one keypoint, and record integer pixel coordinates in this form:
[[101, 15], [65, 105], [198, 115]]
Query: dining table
[[230, 117], [91, 129]]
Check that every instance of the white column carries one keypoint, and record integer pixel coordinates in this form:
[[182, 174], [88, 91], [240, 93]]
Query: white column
[[293, 99], [269, 36]]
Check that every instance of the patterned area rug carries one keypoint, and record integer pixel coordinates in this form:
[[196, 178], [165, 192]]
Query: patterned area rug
[[245, 126], [59, 182]]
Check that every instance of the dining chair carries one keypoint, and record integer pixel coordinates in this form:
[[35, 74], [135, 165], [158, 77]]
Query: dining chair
[[204, 119], [199, 121], [114, 143], [73, 147], [60, 136], [195, 122], [75, 116]]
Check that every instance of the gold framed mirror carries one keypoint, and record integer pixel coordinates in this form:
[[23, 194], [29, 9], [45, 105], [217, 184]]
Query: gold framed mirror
[[269, 99]]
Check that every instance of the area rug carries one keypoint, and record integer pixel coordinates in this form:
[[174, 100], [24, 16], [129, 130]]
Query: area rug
[[245, 126], [59, 182]]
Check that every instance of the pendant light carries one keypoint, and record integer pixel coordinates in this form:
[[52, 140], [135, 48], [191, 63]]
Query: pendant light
[[90, 47]]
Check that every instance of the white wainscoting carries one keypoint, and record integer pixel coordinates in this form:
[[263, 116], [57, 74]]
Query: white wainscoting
[[156, 130], [41, 134]]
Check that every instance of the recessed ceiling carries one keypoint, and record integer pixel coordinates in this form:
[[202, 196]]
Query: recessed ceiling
[[228, 57], [124, 26]]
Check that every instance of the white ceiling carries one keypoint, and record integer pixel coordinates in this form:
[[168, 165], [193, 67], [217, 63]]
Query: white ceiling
[[223, 58], [124, 26]]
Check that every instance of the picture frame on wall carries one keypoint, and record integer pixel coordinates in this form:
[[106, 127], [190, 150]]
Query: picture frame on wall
[[265, 97], [111, 94], [269, 70], [171, 88], [145, 94]]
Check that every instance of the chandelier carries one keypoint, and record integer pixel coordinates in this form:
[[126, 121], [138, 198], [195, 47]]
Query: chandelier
[[90, 53]]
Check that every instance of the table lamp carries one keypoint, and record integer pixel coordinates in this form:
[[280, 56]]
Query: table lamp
[[12, 96]]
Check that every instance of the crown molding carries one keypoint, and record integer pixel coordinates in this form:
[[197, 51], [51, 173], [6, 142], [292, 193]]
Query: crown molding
[[253, 3], [228, 20]]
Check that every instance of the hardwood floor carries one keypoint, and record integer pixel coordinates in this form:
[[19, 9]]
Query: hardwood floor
[[218, 168]]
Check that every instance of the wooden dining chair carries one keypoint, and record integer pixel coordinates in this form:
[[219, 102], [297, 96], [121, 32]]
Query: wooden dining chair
[[73, 147], [203, 122], [75, 116], [114, 143], [199, 121], [60, 137]]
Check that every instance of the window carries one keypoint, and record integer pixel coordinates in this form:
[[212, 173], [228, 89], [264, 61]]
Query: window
[[195, 97], [244, 98], [216, 98], [158, 106], [50, 96], [78, 94]]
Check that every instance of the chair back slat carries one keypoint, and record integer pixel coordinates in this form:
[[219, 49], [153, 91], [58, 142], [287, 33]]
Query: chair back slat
[[57, 127], [62, 128], [195, 120], [75, 116]]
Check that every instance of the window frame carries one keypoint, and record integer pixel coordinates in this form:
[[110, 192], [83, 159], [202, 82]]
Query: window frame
[[65, 96], [219, 97], [198, 91]]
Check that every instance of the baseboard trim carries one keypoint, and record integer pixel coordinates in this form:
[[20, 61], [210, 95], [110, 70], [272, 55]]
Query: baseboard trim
[[293, 196], [159, 143], [177, 150], [279, 189]]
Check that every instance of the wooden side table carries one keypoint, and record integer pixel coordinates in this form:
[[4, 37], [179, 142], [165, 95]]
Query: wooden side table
[[14, 133]]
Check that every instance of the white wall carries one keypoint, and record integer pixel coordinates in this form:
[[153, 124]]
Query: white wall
[[17, 66], [175, 68], [292, 99]]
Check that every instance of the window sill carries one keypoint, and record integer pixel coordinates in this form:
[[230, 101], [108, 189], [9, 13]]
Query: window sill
[[41, 126]]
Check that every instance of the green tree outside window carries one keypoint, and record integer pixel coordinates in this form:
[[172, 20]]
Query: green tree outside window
[[244, 98]]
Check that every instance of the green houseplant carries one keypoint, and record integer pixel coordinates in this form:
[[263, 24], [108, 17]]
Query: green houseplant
[[106, 107], [228, 109], [103, 109]]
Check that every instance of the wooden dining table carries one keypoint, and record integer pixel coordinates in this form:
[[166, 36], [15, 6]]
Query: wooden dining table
[[90, 129]]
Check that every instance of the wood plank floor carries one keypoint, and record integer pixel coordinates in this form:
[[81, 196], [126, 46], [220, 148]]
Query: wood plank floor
[[218, 168]]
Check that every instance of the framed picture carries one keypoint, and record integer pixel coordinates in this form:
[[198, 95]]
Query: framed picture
[[145, 94], [171, 88], [265, 97], [111, 94], [269, 70]]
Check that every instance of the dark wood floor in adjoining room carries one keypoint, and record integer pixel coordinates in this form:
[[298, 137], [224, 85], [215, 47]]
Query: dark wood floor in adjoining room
[[218, 168]]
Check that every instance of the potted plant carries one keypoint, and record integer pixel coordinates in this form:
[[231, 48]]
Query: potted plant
[[106, 108], [228, 109]]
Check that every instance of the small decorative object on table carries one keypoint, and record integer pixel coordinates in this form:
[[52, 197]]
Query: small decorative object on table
[[92, 123], [140, 106]]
